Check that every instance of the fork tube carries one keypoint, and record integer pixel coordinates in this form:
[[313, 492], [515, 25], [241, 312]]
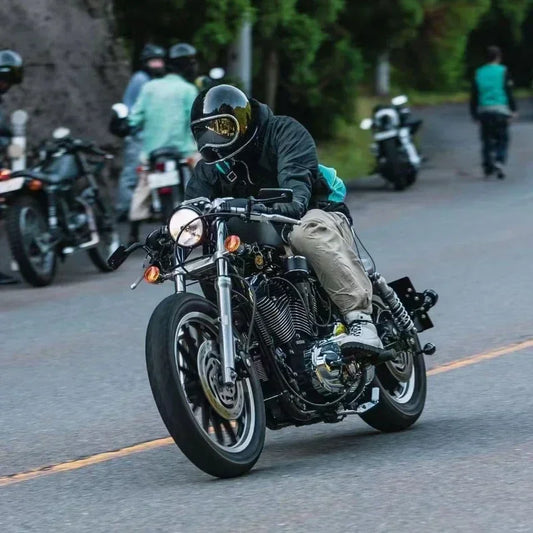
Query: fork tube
[[224, 306]]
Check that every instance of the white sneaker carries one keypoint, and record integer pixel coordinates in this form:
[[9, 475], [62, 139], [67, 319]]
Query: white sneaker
[[362, 335]]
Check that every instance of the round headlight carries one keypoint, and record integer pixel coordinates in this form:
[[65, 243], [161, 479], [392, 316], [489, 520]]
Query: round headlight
[[185, 226]]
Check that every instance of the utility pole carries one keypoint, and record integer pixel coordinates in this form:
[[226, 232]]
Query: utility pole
[[383, 75], [240, 56]]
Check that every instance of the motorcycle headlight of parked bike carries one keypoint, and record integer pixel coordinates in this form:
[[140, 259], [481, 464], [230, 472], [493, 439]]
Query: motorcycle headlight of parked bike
[[186, 228]]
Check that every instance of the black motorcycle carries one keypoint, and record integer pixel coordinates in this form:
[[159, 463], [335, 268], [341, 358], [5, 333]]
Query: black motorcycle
[[397, 158], [57, 208], [259, 349]]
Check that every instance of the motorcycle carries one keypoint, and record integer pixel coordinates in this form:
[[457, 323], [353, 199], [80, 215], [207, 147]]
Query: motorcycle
[[397, 157], [259, 348], [167, 172], [57, 208]]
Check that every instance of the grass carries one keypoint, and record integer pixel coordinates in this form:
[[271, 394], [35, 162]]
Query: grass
[[350, 153]]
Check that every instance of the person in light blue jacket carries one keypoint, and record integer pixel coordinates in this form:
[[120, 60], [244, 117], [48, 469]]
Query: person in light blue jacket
[[153, 66]]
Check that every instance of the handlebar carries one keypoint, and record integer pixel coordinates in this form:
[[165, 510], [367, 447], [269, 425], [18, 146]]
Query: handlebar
[[264, 217]]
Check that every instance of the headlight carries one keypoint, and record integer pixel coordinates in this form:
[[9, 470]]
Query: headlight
[[185, 226]]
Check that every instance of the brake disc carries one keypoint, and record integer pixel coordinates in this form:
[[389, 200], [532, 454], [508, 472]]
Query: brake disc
[[226, 400]]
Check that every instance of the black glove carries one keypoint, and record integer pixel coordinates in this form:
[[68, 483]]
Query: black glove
[[293, 209]]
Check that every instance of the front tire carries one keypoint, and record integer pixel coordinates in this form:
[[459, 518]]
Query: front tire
[[402, 383], [222, 434], [30, 241]]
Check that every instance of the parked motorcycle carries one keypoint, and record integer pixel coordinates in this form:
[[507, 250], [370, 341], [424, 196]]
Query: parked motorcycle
[[393, 127], [57, 208], [259, 350]]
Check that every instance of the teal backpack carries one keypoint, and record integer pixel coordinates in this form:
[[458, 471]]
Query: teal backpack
[[335, 184]]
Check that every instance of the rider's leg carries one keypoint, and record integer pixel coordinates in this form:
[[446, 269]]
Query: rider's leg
[[326, 240]]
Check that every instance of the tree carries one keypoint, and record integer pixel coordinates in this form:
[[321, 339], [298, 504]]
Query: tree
[[434, 59]]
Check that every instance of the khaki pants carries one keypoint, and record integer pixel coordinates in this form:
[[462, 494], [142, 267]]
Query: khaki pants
[[325, 240]]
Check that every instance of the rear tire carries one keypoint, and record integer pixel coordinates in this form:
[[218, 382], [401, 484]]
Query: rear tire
[[400, 402], [27, 227], [220, 446]]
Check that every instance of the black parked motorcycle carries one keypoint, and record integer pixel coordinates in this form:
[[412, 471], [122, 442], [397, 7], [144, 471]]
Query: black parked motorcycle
[[393, 127], [57, 208], [259, 350]]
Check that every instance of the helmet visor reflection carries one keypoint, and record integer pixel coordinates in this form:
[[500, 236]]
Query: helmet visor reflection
[[215, 132]]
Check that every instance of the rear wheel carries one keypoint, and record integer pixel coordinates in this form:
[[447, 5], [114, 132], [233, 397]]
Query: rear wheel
[[221, 430], [30, 241], [402, 383]]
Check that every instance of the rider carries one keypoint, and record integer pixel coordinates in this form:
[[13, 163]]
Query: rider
[[152, 60], [162, 112], [245, 148], [11, 73]]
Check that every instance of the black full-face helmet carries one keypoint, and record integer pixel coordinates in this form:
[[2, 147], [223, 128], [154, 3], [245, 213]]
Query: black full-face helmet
[[222, 123], [11, 69], [152, 51], [182, 60]]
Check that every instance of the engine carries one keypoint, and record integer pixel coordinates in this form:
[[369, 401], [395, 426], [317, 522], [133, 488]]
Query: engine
[[287, 318]]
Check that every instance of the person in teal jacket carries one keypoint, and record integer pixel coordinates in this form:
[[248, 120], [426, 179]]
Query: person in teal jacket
[[492, 105], [162, 112]]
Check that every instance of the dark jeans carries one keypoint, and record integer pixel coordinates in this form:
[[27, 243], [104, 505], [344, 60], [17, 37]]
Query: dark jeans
[[494, 138]]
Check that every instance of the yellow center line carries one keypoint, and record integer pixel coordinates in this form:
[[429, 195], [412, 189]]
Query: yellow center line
[[82, 462]]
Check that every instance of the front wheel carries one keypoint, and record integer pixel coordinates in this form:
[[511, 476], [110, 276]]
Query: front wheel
[[402, 383], [220, 429], [31, 243]]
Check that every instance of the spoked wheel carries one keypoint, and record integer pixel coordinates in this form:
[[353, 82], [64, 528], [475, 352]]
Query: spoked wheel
[[30, 241], [109, 240], [220, 429], [402, 383]]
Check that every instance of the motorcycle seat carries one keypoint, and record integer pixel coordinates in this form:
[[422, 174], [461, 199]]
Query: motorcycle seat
[[167, 152]]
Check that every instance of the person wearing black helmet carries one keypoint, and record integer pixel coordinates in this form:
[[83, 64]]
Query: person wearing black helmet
[[11, 73], [162, 112], [245, 147], [152, 60]]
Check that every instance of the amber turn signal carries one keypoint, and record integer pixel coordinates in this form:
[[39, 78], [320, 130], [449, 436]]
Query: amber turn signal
[[5, 174], [151, 274], [232, 243], [35, 185]]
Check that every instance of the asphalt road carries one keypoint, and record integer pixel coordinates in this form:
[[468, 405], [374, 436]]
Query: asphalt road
[[73, 383]]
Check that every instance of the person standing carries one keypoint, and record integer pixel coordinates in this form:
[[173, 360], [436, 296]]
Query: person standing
[[493, 106], [152, 66], [11, 73]]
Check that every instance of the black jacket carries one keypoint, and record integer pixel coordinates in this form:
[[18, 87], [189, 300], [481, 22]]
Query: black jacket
[[5, 130], [283, 154]]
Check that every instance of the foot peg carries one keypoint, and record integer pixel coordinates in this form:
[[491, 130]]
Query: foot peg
[[428, 349]]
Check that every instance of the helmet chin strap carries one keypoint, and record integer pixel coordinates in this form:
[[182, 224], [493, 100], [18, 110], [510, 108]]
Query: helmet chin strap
[[229, 171]]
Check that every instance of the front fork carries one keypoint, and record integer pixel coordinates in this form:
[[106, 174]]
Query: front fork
[[224, 287], [227, 345]]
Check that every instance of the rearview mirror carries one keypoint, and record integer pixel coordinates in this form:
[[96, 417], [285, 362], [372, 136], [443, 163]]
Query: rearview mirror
[[121, 110], [399, 100], [366, 124], [217, 73], [270, 196], [60, 133]]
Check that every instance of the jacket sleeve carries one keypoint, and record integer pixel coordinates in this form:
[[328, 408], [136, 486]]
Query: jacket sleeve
[[134, 89], [509, 91], [202, 182], [474, 99], [136, 117], [296, 161]]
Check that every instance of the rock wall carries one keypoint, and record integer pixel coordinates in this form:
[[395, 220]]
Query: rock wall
[[74, 67]]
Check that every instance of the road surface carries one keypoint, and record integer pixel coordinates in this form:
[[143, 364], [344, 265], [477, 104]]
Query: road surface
[[82, 447]]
